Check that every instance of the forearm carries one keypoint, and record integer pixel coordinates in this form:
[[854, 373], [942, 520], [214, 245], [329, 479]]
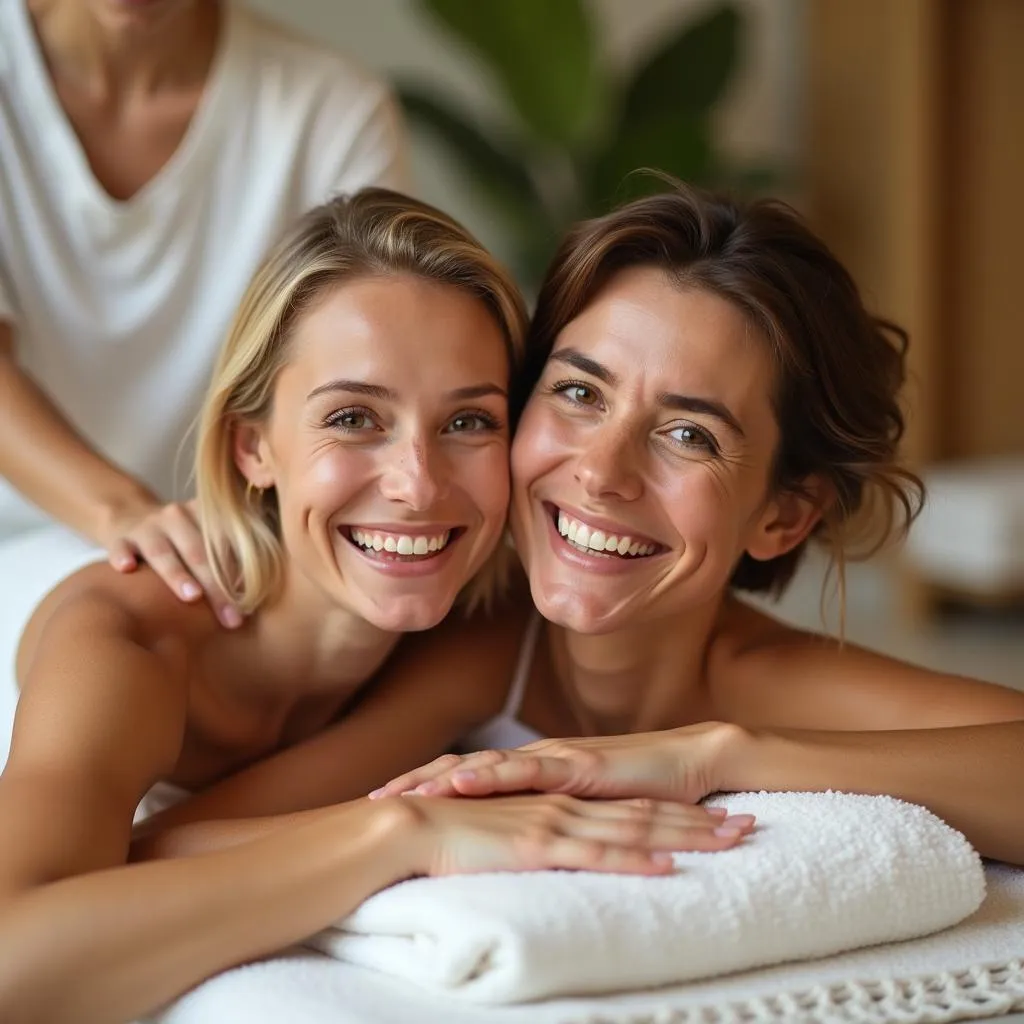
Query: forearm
[[965, 775], [43, 457], [115, 944], [192, 838]]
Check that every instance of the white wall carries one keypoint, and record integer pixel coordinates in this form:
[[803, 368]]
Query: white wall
[[761, 118]]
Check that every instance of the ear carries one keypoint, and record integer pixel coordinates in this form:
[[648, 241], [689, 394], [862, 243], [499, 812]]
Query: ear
[[788, 518], [252, 454]]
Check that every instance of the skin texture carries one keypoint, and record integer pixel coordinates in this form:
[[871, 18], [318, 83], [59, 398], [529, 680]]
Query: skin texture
[[124, 686], [661, 683]]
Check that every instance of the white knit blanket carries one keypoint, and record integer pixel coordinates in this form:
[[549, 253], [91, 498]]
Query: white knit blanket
[[824, 873]]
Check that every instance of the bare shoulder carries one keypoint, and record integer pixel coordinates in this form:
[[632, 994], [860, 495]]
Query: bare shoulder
[[765, 673], [137, 605]]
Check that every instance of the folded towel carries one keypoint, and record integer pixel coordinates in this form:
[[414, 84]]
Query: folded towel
[[824, 873]]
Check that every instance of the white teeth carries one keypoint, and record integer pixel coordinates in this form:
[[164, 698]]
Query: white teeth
[[405, 545], [588, 538]]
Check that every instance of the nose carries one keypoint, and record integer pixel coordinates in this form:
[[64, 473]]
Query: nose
[[609, 466], [416, 475]]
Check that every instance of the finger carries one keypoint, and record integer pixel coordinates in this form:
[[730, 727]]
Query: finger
[[418, 776], [566, 852], [122, 557], [161, 556], [655, 834], [664, 810], [435, 779], [515, 775], [183, 533]]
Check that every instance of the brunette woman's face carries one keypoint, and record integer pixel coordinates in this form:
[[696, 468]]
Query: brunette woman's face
[[388, 447], [642, 462]]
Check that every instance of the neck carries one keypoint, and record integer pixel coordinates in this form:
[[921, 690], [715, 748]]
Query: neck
[[303, 643], [640, 679], [116, 57]]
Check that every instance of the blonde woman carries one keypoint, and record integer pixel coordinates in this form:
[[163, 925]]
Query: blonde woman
[[352, 471]]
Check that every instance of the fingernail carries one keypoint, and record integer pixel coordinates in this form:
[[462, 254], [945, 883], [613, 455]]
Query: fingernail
[[739, 821], [464, 777], [425, 789], [190, 591], [716, 812], [727, 833], [374, 793], [231, 617], [662, 858]]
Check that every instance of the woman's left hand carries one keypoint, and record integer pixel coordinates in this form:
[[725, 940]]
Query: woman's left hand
[[679, 764]]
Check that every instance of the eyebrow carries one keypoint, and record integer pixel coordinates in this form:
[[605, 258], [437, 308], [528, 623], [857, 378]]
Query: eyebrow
[[383, 394], [684, 403]]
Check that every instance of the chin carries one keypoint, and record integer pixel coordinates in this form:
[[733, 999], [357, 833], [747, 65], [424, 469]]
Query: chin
[[406, 615], [577, 611]]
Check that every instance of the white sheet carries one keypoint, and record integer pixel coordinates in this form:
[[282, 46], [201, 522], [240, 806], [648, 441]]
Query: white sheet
[[935, 979]]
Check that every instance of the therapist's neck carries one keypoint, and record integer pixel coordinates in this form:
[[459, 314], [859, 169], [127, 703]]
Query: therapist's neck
[[113, 49]]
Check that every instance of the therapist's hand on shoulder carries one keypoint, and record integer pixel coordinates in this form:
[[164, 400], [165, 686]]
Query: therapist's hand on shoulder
[[169, 540], [677, 764]]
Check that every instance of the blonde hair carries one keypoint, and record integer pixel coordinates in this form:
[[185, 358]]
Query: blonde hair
[[373, 232]]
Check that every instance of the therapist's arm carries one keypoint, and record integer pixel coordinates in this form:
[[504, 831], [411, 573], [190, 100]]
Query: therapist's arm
[[48, 461]]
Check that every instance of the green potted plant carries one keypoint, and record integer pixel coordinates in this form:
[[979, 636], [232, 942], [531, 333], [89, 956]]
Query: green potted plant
[[572, 131]]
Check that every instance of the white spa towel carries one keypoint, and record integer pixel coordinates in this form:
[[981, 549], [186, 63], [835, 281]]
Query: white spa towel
[[824, 873]]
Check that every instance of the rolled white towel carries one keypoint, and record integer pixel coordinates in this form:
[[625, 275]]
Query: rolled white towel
[[824, 872]]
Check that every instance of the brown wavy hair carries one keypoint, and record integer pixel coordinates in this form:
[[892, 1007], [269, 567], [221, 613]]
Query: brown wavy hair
[[838, 370]]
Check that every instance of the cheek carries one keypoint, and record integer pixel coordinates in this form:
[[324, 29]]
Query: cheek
[[485, 478], [540, 442], [331, 475]]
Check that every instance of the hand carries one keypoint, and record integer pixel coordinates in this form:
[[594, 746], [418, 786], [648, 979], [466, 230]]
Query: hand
[[168, 539], [535, 833], [678, 764]]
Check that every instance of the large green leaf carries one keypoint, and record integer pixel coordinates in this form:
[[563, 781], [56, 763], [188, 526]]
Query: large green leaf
[[541, 52], [690, 72], [673, 143], [498, 174]]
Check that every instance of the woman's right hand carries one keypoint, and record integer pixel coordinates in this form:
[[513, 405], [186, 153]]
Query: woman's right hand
[[168, 539], [546, 831]]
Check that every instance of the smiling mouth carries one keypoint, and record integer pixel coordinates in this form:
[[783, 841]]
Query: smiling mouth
[[400, 547], [587, 538]]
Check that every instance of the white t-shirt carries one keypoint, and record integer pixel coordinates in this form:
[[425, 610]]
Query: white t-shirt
[[118, 307]]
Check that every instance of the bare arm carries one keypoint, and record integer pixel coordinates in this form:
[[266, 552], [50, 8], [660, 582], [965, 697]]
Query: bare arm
[[86, 937], [46, 459], [966, 775], [43, 456], [435, 688]]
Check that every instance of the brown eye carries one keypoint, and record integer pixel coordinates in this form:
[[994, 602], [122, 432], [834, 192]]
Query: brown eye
[[577, 392], [350, 419], [689, 436]]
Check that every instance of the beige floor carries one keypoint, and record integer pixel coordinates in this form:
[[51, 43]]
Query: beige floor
[[985, 646]]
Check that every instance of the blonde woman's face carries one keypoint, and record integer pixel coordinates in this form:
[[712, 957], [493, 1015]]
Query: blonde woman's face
[[388, 445], [642, 462]]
